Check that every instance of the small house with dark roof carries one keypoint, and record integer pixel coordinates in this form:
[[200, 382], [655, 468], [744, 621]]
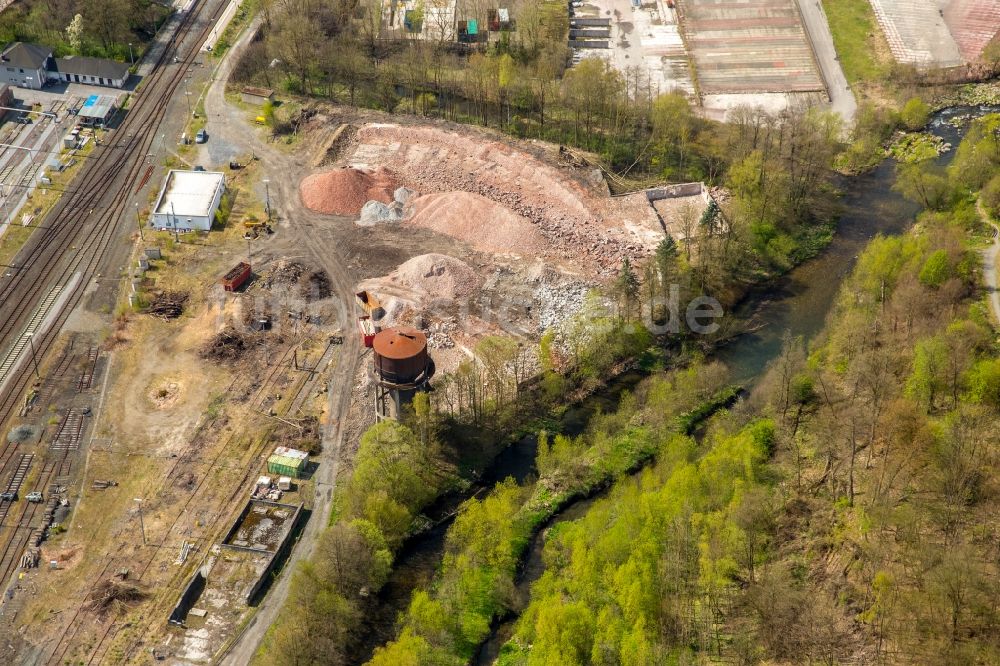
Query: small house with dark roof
[[25, 65], [95, 71], [32, 66]]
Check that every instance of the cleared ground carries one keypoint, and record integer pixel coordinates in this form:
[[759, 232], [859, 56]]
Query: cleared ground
[[758, 46]]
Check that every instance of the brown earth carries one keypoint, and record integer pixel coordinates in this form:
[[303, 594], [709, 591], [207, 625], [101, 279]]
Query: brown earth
[[345, 191]]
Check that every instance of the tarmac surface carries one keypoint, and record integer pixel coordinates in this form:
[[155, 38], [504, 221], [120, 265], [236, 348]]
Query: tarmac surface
[[842, 98], [758, 46], [917, 32]]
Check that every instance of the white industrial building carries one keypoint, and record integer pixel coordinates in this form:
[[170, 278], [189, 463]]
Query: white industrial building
[[189, 200]]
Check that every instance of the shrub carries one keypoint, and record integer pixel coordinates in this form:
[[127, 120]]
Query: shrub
[[915, 113]]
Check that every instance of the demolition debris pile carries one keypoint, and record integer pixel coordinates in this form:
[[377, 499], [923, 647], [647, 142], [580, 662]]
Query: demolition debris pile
[[438, 276], [478, 221], [167, 304]]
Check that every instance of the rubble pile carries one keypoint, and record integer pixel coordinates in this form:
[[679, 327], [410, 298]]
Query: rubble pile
[[437, 275], [555, 303], [561, 210]]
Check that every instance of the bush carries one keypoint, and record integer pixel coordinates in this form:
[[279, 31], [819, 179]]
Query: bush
[[935, 270], [915, 113]]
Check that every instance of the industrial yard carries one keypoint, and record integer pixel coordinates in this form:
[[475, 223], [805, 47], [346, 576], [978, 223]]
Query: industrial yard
[[244, 331], [202, 334]]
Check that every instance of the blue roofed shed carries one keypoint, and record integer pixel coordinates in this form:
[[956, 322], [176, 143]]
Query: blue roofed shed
[[98, 109]]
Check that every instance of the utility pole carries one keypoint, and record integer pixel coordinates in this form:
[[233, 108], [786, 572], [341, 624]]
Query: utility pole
[[267, 198], [138, 222], [34, 357], [142, 526], [173, 216], [130, 56]]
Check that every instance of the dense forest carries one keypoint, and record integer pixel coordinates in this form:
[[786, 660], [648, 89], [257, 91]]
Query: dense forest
[[846, 512]]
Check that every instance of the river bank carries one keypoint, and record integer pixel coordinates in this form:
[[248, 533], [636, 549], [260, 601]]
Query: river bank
[[796, 305]]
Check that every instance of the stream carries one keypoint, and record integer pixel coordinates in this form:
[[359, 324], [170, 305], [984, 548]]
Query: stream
[[798, 303]]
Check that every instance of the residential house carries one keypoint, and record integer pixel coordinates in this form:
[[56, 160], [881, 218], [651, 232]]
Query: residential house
[[32, 66], [25, 65]]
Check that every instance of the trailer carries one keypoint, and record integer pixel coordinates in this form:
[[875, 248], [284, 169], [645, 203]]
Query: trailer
[[236, 277], [367, 330]]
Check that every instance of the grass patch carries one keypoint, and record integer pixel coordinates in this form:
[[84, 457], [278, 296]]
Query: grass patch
[[857, 38]]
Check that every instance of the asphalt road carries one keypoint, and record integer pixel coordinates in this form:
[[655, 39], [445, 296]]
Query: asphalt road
[[842, 98], [990, 271]]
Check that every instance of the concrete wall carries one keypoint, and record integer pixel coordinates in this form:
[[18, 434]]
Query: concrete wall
[[184, 223], [188, 598], [675, 191], [277, 557], [92, 80]]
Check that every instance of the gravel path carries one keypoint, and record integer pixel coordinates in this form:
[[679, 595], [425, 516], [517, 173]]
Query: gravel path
[[990, 272]]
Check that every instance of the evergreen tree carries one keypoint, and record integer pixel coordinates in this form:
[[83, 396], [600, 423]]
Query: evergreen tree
[[666, 257], [627, 287]]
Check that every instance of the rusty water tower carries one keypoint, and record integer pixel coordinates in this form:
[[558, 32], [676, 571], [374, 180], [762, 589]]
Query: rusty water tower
[[401, 367]]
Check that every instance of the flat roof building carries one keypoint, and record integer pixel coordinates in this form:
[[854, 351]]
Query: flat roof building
[[98, 110], [189, 200]]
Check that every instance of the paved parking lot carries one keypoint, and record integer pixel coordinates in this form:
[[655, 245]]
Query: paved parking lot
[[916, 32], [973, 23], [644, 44], [752, 46]]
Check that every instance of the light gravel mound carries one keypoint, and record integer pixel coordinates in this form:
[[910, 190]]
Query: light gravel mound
[[478, 221]]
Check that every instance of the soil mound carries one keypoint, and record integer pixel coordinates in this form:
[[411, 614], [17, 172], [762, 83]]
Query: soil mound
[[438, 275], [478, 221], [345, 191]]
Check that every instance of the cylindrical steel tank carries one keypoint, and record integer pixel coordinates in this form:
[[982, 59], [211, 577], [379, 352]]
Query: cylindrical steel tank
[[400, 354]]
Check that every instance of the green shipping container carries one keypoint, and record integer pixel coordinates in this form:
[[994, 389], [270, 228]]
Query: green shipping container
[[287, 462]]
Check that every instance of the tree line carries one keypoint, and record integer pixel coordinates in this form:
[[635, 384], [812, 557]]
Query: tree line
[[102, 28]]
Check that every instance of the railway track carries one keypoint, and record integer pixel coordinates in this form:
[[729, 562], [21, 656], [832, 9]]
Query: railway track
[[86, 220], [173, 587], [75, 238]]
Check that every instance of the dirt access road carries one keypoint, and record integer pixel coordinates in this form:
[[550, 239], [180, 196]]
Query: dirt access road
[[228, 125]]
